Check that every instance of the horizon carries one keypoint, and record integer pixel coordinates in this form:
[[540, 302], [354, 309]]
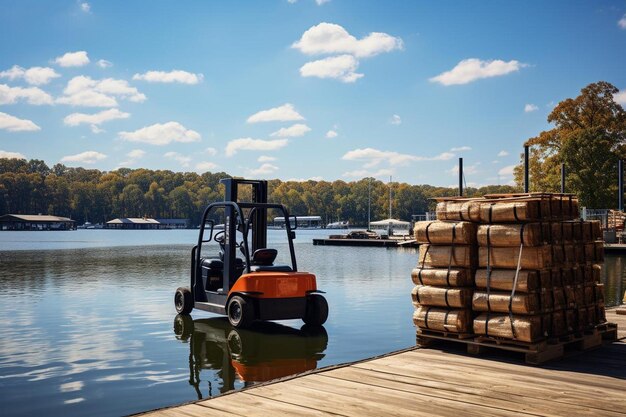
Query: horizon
[[298, 89]]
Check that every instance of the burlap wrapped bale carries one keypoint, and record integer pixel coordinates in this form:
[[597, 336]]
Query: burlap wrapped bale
[[599, 293], [433, 256], [446, 277], [558, 327], [571, 320], [530, 234], [498, 302], [600, 313], [443, 320], [558, 295], [599, 251], [579, 294], [504, 211], [502, 279], [533, 257], [547, 299], [564, 206], [445, 233], [561, 232], [426, 295], [527, 328], [589, 291], [570, 296], [459, 210]]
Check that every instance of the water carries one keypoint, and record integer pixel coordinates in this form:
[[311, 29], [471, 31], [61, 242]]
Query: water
[[88, 321], [88, 324]]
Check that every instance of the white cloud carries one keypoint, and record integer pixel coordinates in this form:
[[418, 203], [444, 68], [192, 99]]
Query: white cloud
[[507, 170], [181, 159], [373, 157], [467, 169], [362, 173], [76, 119], [502, 153], [136, 153], [249, 144], [84, 91], [395, 120], [264, 169], [474, 69], [622, 22], [95, 129], [331, 134], [211, 151], [265, 158], [32, 95], [329, 38], [206, 166], [620, 97], [103, 63], [461, 149], [284, 113], [320, 2], [85, 7], [33, 76], [175, 76], [340, 67], [162, 134], [11, 155], [292, 1], [14, 124], [88, 157], [293, 131], [72, 59], [316, 179], [530, 108]]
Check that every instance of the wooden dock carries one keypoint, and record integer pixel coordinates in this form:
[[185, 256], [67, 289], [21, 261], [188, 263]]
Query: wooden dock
[[442, 381], [380, 243]]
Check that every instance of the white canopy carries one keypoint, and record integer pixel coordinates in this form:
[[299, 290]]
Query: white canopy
[[393, 222]]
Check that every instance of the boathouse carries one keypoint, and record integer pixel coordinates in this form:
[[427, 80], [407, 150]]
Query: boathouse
[[173, 223], [35, 222], [132, 223]]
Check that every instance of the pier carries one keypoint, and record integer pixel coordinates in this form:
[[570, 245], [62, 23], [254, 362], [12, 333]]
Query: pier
[[440, 381]]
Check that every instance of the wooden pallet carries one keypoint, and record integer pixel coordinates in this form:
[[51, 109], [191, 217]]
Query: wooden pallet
[[534, 353]]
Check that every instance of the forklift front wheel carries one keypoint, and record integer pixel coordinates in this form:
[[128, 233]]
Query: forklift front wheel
[[183, 301], [316, 310], [240, 312]]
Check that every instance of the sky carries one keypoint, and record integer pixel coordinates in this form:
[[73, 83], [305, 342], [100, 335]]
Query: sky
[[298, 89]]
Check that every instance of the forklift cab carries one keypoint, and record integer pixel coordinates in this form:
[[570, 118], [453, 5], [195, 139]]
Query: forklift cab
[[241, 279]]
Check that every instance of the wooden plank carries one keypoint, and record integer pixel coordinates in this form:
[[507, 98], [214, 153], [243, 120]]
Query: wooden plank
[[388, 401], [246, 404], [189, 410], [466, 393], [508, 380]]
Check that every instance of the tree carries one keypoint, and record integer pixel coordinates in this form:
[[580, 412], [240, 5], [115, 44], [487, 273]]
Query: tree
[[595, 123]]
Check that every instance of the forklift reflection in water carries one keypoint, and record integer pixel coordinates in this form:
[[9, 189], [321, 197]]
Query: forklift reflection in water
[[268, 352], [252, 287]]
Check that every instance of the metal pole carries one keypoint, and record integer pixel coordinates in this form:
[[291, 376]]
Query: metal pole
[[460, 177], [526, 168], [562, 178], [620, 185], [369, 201]]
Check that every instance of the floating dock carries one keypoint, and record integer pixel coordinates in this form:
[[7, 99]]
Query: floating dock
[[380, 243], [435, 382]]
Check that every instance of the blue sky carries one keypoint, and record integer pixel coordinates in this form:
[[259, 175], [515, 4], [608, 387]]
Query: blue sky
[[297, 89]]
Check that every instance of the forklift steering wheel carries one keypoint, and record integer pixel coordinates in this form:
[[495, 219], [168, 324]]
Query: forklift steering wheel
[[219, 238]]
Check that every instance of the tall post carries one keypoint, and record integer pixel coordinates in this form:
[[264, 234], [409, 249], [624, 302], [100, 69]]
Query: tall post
[[369, 201], [562, 178], [620, 185], [390, 196], [526, 169], [460, 177]]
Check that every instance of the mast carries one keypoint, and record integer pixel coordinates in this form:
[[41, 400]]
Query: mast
[[390, 197]]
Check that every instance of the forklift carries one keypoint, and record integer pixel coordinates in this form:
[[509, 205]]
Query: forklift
[[240, 281]]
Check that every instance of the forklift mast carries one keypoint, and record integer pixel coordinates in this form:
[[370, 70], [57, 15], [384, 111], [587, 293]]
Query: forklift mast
[[259, 221]]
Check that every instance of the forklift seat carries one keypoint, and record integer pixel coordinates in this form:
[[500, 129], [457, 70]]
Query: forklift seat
[[263, 260]]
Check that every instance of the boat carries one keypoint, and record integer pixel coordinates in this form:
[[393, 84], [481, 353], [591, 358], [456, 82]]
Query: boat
[[338, 225]]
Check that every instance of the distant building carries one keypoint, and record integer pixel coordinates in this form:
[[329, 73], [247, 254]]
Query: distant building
[[35, 222], [173, 223], [304, 222], [135, 223]]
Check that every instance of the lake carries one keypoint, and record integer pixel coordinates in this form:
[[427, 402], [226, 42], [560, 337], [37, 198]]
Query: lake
[[89, 327]]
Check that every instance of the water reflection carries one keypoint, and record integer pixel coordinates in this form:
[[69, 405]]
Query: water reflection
[[614, 279], [264, 352]]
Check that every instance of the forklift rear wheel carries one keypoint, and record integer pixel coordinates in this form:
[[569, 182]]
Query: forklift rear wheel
[[240, 312], [316, 310], [183, 301], [183, 327]]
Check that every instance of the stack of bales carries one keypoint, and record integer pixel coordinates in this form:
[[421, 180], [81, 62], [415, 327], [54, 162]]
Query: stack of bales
[[538, 270], [444, 276]]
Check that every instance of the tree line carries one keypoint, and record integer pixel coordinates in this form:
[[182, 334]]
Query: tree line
[[31, 187]]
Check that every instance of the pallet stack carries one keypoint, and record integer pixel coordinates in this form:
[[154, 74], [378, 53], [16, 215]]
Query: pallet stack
[[444, 277], [539, 268]]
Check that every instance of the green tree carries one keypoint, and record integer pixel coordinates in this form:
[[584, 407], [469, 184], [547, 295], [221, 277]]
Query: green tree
[[592, 121]]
